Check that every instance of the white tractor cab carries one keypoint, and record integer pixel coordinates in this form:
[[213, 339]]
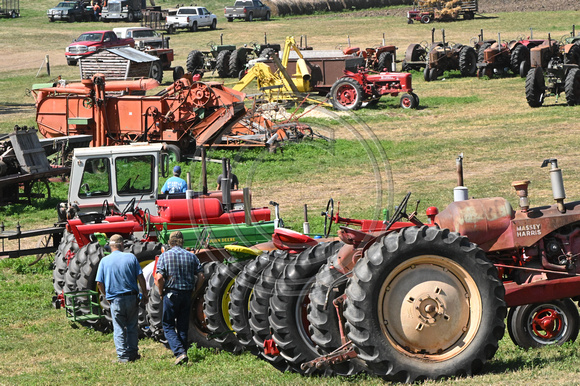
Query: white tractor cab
[[113, 176]]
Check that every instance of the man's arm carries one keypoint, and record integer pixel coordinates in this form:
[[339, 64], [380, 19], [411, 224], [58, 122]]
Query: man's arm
[[159, 282], [101, 288], [141, 280]]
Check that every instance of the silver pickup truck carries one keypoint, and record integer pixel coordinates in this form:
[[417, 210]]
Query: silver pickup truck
[[248, 10]]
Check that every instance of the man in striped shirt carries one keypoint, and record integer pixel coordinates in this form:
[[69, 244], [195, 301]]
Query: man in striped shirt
[[176, 278]]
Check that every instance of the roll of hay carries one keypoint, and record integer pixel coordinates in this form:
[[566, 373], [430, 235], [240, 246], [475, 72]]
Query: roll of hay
[[304, 7]]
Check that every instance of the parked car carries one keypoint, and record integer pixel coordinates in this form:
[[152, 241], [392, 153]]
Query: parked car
[[248, 10], [90, 42], [70, 11], [190, 18]]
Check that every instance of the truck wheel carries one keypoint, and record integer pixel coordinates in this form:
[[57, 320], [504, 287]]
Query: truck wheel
[[260, 307], [408, 102], [346, 94], [267, 17], [193, 27], [535, 87], [467, 61], [130, 17], [468, 15], [156, 71], [230, 19], [543, 324], [425, 19], [216, 305], [66, 251], [385, 62], [194, 61], [213, 24], [518, 55], [572, 87], [250, 17], [424, 303], [240, 300], [170, 30], [222, 63], [288, 308], [324, 327], [51, 19], [178, 73], [237, 62]]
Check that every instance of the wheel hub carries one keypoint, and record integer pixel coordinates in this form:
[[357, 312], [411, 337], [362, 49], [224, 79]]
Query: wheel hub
[[428, 310]]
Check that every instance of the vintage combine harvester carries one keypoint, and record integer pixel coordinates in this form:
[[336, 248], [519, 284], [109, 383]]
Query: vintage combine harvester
[[412, 300]]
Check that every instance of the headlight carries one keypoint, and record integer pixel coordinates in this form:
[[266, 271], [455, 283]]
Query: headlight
[[92, 48], [67, 49]]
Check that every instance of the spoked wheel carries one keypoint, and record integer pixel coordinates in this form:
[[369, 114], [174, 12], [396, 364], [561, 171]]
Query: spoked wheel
[[216, 306], [260, 307], [543, 324], [346, 94], [288, 308], [38, 192], [424, 303], [535, 87]]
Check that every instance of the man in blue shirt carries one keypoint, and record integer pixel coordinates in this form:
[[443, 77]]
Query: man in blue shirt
[[176, 278], [117, 278], [175, 184]]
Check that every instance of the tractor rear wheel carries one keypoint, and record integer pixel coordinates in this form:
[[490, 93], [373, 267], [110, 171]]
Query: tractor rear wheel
[[385, 62], [519, 54], [240, 300], [237, 62], [288, 309], [260, 307], [194, 61], [542, 324], [424, 303], [467, 61], [154, 310], [222, 63], [346, 94], [481, 52], [324, 327], [535, 87], [572, 87], [198, 332], [216, 305], [66, 251]]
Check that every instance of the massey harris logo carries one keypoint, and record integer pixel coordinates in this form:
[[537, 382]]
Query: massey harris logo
[[529, 230]]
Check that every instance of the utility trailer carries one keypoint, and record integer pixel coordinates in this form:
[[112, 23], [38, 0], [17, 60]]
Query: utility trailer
[[426, 11], [10, 8]]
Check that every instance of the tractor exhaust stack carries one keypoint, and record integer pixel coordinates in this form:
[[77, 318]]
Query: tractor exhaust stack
[[557, 183], [460, 192]]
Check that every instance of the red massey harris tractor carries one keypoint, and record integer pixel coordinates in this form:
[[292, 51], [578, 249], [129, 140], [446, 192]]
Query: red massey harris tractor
[[354, 89], [406, 300]]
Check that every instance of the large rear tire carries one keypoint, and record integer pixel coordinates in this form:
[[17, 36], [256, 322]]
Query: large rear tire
[[194, 61], [385, 62], [572, 87], [519, 54], [66, 251], [216, 305], [346, 94], [543, 324], [198, 332], [535, 87], [237, 62], [424, 303], [222, 63], [288, 309], [467, 61]]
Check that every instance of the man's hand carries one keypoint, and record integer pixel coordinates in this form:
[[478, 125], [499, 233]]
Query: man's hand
[[145, 298]]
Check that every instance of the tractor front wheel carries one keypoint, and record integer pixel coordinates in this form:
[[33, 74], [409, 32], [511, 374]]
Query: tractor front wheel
[[156, 71], [572, 87], [542, 324], [346, 94], [424, 303], [408, 101], [535, 87], [178, 73]]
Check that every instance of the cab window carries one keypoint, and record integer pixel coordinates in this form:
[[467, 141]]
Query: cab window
[[96, 180], [134, 174]]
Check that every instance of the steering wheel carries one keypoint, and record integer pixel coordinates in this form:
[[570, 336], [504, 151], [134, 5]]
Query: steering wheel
[[400, 212], [129, 208], [327, 218], [105, 209]]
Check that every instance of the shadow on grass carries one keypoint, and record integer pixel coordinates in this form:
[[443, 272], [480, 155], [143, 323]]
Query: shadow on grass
[[10, 108]]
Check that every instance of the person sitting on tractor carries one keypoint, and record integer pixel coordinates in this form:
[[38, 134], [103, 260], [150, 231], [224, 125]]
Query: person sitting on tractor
[[174, 184], [233, 178]]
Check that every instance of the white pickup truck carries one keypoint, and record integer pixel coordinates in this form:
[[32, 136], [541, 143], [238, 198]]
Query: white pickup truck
[[190, 18]]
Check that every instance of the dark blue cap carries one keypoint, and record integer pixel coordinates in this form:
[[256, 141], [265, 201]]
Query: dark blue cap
[[177, 169]]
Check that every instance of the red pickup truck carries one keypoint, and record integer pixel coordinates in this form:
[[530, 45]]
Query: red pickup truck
[[90, 42]]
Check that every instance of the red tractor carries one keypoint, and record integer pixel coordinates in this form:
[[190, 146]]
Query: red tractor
[[354, 89]]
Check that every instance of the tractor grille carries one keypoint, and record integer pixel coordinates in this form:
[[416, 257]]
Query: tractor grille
[[78, 49]]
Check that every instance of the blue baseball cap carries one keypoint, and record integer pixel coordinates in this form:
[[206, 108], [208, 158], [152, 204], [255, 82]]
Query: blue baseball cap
[[177, 169]]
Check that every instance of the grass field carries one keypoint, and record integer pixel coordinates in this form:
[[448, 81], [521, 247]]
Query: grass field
[[502, 139]]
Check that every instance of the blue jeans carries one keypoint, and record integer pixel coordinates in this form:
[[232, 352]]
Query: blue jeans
[[176, 305], [125, 314]]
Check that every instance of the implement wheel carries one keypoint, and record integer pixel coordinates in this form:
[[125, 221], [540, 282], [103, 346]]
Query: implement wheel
[[346, 94], [424, 303], [543, 324]]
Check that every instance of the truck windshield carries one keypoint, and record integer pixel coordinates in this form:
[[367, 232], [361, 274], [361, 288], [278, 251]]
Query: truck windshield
[[144, 34], [65, 5], [90, 37], [96, 179], [134, 174]]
